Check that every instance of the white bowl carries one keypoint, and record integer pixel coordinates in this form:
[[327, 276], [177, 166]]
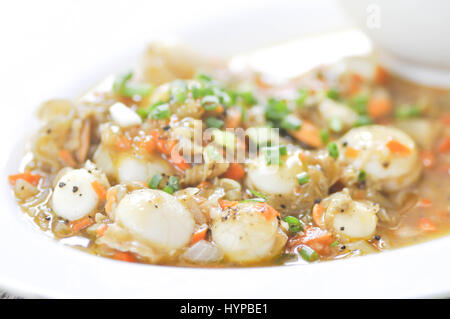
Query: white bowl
[[410, 35], [33, 264]]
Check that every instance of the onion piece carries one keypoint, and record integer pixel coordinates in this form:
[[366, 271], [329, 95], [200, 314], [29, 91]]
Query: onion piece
[[203, 251]]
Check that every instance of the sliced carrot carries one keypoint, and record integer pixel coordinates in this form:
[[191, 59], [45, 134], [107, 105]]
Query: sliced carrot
[[351, 152], [398, 148], [381, 75], [80, 224], [233, 118], [199, 235], [178, 160], [444, 145], [428, 158], [99, 189], [224, 204], [359, 194], [308, 134], [317, 215], [379, 107], [355, 83], [85, 141], [101, 230], [204, 184], [124, 256], [314, 237], [446, 119], [424, 202], [67, 158], [267, 211], [26, 176], [123, 143], [111, 199], [235, 171], [148, 144], [427, 225]]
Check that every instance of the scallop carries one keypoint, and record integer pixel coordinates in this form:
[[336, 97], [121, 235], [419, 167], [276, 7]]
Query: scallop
[[156, 218], [248, 233], [350, 219], [279, 183], [368, 149], [73, 196]]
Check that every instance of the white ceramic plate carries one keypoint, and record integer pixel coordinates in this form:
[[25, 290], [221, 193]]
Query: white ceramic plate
[[31, 264]]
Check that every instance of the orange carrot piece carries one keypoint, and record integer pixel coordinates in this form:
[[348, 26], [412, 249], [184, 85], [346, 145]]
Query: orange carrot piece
[[424, 202], [355, 83], [235, 171], [82, 223], [351, 152], [379, 107], [398, 148], [199, 235], [148, 144], [111, 199], [26, 176], [446, 119], [317, 215], [101, 230], [427, 225], [178, 160], [267, 211], [99, 189], [381, 75], [233, 118], [428, 158], [204, 184], [67, 158], [444, 145], [224, 204], [314, 237], [124, 256], [308, 134]]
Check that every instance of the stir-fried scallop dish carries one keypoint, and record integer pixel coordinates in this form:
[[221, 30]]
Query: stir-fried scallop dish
[[183, 161]]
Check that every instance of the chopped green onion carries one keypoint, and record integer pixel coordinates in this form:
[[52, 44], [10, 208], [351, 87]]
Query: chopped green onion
[[262, 135], [154, 183], [324, 136], [291, 122], [214, 122], [258, 194], [283, 150], [174, 183], [294, 224], [273, 154], [143, 113], [333, 94], [362, 176], [302, 178], [333, 150], [362, 120], [405, 112], [203, 77], [178, 91], [168, 189], [308, 253], [248, 98], [359, 104], [336, 124], [160, 111], [224, 138], [334, 244], [124, 88], [198, 92], [253, 200], [302, 96], [210, 102], [276, 109], [213, 153]]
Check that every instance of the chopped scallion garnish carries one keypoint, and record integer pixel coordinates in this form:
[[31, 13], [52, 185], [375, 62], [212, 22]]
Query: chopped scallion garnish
[[333, 94], [294, 224], [174, 183], [361, 176], [336, 124], [324, 136], [363, 120], [308, 253], [302, 96], [214, 122], [404, 112], [160, 111], [291, 122], [210, 102], [333, 150], [154, 183], [302, 178]]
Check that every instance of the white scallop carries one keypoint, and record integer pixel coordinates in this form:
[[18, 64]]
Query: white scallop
[[130, 169], [73, 196], [392, 171], [247, 236], [156, 217], [274, 179], [123, 115], [330, 109]]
